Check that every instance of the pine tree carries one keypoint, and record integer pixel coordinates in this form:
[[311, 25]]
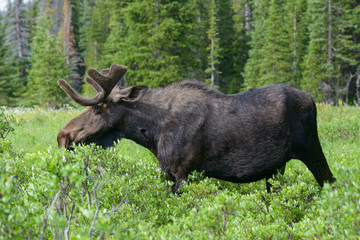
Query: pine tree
[[73, 59], [297, 36], [148, 34], [201, 45], [84, 41], [16, 29], [228, 43], [256, 53], [101, 43], [17, 42], [117, 32], [276, 61], [97, 32], [277, 49], [48, 65], [213, 48], [317, 69], [57, 16], [7, 87], [157, 41], [87, 7], [242, 16], [233, 45], [352, 71], [345, 50], [31, 15]]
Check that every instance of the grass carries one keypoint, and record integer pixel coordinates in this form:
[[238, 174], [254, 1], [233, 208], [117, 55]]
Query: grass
[[39, 127], [121, 193]]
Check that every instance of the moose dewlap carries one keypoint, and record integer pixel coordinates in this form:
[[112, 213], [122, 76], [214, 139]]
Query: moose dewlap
[[190, 126]]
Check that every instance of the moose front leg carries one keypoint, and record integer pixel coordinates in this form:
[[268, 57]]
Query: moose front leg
[[180, 170], [178, 183], [176, 160], [176, 177]]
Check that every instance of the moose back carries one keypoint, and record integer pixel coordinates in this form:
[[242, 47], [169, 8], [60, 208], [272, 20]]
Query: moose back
[[190, 126]]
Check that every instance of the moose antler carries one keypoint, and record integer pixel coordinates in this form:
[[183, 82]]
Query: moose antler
[[103, 82]]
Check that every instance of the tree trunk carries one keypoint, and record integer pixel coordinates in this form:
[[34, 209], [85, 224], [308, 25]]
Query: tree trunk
[[57, 16], [248, 17], [67, 12], [329, 60], [18, 29], [212, 61], [358, 88], [95, 52], [295, 28]]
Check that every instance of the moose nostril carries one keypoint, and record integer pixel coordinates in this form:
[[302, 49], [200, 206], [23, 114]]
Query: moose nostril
[[70, 148], [61, 141], [68, 144], [64, 140]]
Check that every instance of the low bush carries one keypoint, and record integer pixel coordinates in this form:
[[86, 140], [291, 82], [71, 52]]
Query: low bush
[[120, 193]]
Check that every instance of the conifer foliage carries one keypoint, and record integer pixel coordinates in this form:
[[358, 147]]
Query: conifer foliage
[[48, 62], [236, 45], [6, 87]]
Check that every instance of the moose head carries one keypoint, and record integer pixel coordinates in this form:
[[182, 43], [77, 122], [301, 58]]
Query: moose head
[[96, 123]]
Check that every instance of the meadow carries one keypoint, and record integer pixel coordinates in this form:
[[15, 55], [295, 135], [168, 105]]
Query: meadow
[[120, 193]]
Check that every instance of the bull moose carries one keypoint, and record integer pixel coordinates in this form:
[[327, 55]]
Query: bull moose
[[190, 126]]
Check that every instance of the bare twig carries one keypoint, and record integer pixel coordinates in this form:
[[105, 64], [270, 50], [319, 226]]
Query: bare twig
[[67, 228], [48, 211], [118, 206], [85, 185], [97, 186]]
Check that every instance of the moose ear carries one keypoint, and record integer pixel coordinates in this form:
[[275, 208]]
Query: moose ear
[[130, 94]]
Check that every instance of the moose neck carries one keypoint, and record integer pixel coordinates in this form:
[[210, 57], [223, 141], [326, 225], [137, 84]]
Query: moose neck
[[143, 121]]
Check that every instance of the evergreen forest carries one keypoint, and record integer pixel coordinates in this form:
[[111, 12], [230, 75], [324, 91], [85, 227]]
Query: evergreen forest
[[234, 45]]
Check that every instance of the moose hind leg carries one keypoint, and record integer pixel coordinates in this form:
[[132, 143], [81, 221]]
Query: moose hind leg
[[316, 162], [307, 148]]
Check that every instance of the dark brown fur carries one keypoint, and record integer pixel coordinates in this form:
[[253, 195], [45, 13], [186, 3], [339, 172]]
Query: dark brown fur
[[190, 126]]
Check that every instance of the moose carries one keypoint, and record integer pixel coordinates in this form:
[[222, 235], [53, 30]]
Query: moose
[[190, 126]]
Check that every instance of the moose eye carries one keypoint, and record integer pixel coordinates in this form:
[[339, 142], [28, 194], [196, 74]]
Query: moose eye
[[97, 108]]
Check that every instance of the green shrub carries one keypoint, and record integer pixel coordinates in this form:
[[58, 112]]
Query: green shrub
[[120, 193], [7, 126]]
